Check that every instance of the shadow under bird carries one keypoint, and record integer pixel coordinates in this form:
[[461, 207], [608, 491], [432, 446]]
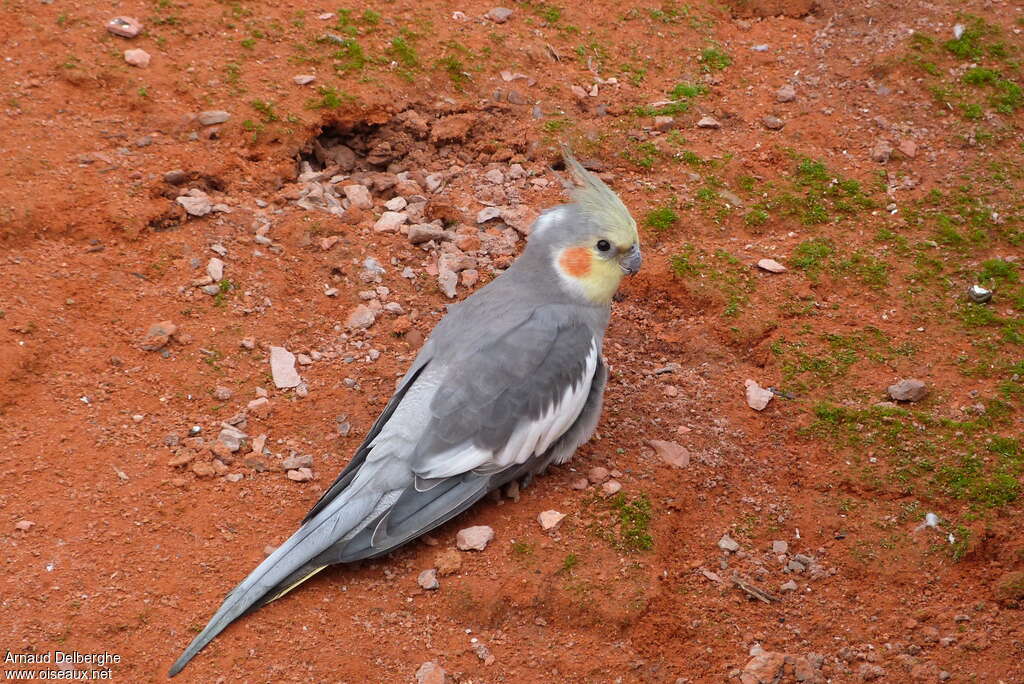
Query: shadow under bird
[[510, 381]]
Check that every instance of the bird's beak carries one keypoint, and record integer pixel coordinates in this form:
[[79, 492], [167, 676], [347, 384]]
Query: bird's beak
[[631, 260]]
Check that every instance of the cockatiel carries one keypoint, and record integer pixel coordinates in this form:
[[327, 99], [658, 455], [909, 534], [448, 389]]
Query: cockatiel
[[510, 381]]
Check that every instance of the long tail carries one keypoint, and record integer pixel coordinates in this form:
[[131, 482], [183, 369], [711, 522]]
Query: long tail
[[290, 565]]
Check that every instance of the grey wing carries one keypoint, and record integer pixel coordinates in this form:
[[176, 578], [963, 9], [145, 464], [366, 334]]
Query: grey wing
[[507, 411]]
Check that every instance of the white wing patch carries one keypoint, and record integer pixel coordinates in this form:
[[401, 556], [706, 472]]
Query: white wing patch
[[530, 438]]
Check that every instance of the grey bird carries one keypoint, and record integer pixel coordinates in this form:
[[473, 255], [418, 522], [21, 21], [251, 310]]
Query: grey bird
[[510, 381]]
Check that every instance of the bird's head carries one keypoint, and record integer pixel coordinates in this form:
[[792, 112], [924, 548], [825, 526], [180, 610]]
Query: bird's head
[[594, 240]]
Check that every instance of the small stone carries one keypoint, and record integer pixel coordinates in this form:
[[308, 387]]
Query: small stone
[[430, 673], [212, 117], [24, 525], [396, 204], [908, 148], [727, 543], [428, 580], [499, 15], [425, 232], [175, 177], [757, 396], [300, 475], [203, 469], [390, 222], [549, 520], [611, 487], [247, 343], [304, 359], [579, 483], [870, 672], [474, 538], [282, 368], [126, 27], [488, 213], [234, 477], [771, 265], [297, 461], [772, 123], [469, 277], [791, 585], [303, 79], [196, 202], [358, 196], [447, 280], [495, 176], [979, 294], [670, 452], [158, 335], [231, 437], [786, 93], [766, 667], [360, 317], [137, 57], [447, 562], [709, 122], [881, 152], [434, 182], [215, 269], [597, 475], [664, 123], [795, 566], [222, 393], [780, 546], [910, 389]]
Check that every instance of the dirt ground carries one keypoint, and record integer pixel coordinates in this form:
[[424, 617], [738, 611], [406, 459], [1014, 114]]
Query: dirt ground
[[873, 149]]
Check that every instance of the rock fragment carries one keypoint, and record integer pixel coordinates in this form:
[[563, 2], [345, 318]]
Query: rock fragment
[[282, 368], [212, 117], [771, 265], [786, 93], [358, 196], [709, 122], [215, 269], [158, 335], [910, 389], [24, 525], [597, 475], [428, 580], [390, 221], [360, 317], [425, 232], [196, 202], [221, 393], [303, 79], [231, 437], [611, 487], [474, 538], [881, 152], [671, 453], [772, 123], [430, 673], [300, 475], [126, 27], [766, 667], [137, 57], [727, 543], [499, 15], [757, 397], [549, 520]]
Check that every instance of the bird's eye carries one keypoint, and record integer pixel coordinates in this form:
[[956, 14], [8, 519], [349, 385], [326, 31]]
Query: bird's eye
[[603, 245]]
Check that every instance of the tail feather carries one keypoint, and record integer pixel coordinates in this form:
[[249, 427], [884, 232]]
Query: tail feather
[[289, 566]]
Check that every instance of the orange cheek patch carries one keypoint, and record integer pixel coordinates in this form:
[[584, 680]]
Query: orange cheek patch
[[575, 261]]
